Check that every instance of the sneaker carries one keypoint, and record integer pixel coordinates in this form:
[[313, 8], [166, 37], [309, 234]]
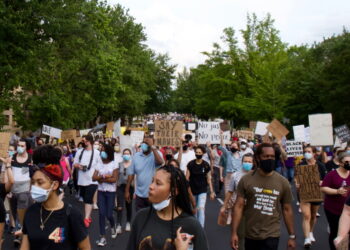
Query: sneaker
[[17, 241], [87, 222], [119, 229], [114, 233], [307, 243], [127, 227], [312, 238], [95, 206], [102, 242], [318, 214]]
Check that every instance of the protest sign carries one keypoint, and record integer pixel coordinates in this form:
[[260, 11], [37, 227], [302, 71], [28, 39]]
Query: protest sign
[[117, 128], [307, 134], [226, 137], [83, 132], [261, 128], [50, 131], [109, 129], [189, 133], [309, 179], [294, 148], [125, 141], [277, 129], [77, 140], [137, 136], [321, 129], [343, 133], [208, 132], [168, 133], [245, 134], [225, 126], [338, 143], [252, 124], [299, 133], [4, 143], [68, 135], [192, 126]]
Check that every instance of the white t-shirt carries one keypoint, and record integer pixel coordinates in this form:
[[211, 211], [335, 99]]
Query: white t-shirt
[[185, 159], [107, 169], [246, 151], [85, 178]]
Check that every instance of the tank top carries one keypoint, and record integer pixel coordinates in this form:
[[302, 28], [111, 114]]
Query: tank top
[[21, 174], [63, 164]]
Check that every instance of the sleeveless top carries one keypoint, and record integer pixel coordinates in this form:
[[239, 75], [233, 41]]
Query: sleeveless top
[[21, 174]]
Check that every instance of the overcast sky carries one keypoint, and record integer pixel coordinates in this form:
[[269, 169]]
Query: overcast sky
[[184, 29]]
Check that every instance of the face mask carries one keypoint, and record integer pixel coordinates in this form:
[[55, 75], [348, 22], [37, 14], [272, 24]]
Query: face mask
[[11, 153], [161, 205], [168, 157], [184, 148], [348, 152], [96, 147], [104, 155], [199, 157], [126, 157], [20, 150], [267, 165], [234, 150], [116, 148], [308, 156], [347, 166], [39, 194], [144, 147], [247, 166], [243, 146]]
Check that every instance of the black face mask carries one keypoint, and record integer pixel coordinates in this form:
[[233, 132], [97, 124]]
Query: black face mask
[[184, 148], [199, 157], [267, 165], [234, 150], [168, 157], [347, 166]]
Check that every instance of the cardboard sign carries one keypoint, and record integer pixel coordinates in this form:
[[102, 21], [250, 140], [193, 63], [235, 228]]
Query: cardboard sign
[[321, 129], [343, 133], [68, 135], [168, 133], [309, 179], [5, 138], [208, 132], [299, 133], [77, 140], [294, 148], [50, 131], [252, 124], [125, 141], [277, 129], [261, 128], [245, 134], [137, 136]]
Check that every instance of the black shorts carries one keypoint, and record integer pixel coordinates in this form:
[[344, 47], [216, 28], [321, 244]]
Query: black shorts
[[87, 193]]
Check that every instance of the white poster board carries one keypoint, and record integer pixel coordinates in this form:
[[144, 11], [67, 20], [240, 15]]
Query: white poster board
[[116, 128], [307, 134], [261, 128], [125, 141], [208, 132], [294, 148], [50, 131], [137, 137], [84, 132], [226, 137], [191, 126], [321, 129], [299, 133]]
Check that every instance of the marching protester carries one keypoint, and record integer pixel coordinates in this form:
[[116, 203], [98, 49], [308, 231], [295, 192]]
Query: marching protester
[[106, 174], [86, 160], [143, 166], [199, 176], [50, 223], [334, 163], [335, 186], [22, 168], [344, 225], [231, 195], [309, 209], [121, 185], [185, 156], [259, 196], [217, 169], [169, 223]]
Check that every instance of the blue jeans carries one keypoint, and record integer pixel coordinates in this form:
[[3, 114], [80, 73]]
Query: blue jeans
[[105, 202], [200, 206], [290, 174]]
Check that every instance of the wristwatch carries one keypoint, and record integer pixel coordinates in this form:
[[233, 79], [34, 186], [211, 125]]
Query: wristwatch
[[292, 236]]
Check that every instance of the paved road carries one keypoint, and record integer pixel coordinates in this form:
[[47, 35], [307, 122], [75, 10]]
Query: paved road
[[218, 237]]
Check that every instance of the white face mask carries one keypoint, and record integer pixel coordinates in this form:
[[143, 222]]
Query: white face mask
[[39, 194], [161, 205], [96, 147], [243, 146]]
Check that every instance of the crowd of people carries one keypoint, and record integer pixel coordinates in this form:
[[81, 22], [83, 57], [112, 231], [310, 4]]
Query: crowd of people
[[168, 187]]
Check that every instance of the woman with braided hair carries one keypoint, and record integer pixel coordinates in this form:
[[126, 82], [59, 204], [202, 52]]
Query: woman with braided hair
[[169, 223]]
